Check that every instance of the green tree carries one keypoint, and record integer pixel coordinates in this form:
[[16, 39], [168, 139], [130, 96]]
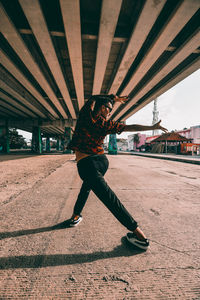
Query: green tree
[[16, 140]]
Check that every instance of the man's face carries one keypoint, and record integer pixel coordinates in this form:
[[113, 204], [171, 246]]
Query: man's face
[[106, 110]]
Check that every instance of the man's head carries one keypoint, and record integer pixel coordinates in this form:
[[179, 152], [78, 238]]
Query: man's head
[[103, 107]]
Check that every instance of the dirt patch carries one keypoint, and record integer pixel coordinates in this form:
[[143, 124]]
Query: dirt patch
[[19, 173]]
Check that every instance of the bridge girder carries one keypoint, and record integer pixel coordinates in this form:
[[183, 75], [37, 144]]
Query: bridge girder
[[55, 54]]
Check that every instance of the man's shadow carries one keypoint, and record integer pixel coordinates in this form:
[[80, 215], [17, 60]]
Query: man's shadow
[[39, 261]]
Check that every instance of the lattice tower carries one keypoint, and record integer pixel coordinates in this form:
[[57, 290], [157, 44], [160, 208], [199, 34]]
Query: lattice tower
[[155, 117]]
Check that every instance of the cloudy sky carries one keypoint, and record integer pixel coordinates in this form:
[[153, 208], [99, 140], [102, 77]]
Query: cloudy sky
[[178, 108]]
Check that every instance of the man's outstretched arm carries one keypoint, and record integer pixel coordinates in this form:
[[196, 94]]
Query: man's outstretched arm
[[135, 127]]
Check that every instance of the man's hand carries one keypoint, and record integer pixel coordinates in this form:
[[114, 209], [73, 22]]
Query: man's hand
[[121, 99], [158, 126]]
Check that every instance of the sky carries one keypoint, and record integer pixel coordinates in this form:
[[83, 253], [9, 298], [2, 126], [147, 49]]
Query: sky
[[178, 108]]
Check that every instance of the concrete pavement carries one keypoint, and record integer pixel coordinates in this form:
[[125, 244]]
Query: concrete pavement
[[92, 260]]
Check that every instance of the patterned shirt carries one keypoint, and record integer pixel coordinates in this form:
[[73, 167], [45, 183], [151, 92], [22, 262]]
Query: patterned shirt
[[90, 132]]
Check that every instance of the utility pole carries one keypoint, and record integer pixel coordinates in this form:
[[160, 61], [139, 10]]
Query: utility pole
[[155, 117]]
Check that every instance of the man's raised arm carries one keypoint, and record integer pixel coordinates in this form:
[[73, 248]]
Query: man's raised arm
[[135, 127]]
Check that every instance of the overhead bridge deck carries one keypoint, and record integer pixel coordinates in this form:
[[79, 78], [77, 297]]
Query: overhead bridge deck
[[55, 54]]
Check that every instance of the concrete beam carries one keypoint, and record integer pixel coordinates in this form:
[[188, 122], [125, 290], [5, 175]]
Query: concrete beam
[[3, 115], [59, 123], [23, 123], [36, 20], [11, 34], [7, 112], [146, 20], [42, 123], [8, 64], [178, 57], [52, 131], [59, 130], [83, 36], [95, 38], [178, 78], [108, 22], [183, 14], [71, 18], [46, 132], [14, 109], [16, 104], [27, 125], [24, 102]]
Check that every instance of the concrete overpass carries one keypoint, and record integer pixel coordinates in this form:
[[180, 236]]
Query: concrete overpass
[[55, 54]]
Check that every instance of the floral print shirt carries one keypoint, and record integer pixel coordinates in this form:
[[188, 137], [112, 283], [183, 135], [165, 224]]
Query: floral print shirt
[[90, 132]]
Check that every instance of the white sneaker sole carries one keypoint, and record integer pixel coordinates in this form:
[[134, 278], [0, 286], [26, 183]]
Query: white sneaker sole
[[135, 242], [76, 224]]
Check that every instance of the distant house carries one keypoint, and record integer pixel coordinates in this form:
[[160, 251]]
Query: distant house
[[189, 143], [122, 144], [192, 133], [132, 146], [149, 139], [169, 142]]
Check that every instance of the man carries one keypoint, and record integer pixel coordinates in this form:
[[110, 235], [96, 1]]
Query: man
[[91, 128]]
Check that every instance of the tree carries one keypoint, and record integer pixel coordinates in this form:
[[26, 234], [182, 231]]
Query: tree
[[16, 140]]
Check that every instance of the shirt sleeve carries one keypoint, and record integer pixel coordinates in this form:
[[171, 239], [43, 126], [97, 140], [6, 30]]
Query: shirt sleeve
[[114, 127]]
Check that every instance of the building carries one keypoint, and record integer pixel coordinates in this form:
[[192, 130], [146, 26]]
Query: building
[[149, 139], [191, 144], [132, 146], [122, 144], [169, 142], [191, 133], [195, 134]]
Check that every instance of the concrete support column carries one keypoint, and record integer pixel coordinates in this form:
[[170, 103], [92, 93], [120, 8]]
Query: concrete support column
[[58, 145], [48, 146], [112, 146], [67, 138], [36, 140], [4, 139], [62, 144]]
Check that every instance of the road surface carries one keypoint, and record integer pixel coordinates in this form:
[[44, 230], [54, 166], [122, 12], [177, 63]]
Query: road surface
[[93, 260]]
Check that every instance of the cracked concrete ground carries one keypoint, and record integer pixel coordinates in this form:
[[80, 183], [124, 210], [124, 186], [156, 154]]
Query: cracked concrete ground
[[40, 260]]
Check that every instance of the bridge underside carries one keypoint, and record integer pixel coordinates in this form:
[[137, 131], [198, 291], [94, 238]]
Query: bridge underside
[[55, 54]]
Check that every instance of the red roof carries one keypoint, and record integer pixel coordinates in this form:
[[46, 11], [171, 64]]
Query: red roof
[[172, 137]]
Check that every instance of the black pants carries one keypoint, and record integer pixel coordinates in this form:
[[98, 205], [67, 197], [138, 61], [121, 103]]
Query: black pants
[[91, 170]]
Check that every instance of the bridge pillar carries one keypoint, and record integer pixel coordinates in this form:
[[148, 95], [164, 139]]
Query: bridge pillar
[[4, 139], [112, 146], [67, 138], [36, 140], [48, 146], [58, 145], [62, 144]]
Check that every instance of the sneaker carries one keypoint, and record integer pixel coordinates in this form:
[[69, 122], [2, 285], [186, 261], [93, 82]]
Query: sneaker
[[75, 221], [142, 244]]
